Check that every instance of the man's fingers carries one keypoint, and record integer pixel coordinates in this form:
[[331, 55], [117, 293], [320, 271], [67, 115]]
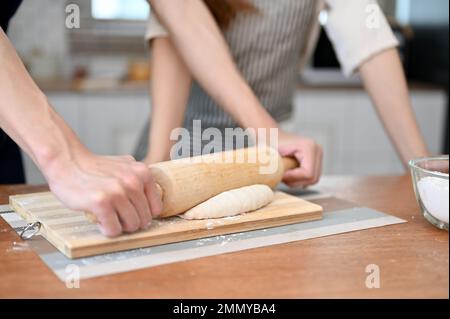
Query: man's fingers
[[128, 216], [154, 196], [139, 200], [109, 223], [134, 188]]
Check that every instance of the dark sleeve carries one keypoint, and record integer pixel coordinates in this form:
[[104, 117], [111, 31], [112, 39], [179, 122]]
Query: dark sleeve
[[11, 166], [7, 9]]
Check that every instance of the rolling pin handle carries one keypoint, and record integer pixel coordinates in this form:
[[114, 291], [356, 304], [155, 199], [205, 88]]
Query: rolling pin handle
[[289, 163]]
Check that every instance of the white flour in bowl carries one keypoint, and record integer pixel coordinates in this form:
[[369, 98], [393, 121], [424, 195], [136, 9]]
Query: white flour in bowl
[[434, 193]]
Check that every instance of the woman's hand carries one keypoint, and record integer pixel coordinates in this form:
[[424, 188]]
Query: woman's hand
[[308, 153], [119, 191]]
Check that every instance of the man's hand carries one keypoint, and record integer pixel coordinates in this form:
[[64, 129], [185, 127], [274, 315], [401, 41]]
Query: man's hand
[[118, 190], [308, 153]]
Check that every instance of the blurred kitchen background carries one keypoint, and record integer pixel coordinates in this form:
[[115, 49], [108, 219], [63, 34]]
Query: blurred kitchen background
[[96, 77]]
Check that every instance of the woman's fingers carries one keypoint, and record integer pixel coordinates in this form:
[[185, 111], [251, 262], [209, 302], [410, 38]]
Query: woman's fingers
[[304, 174], [310, 158]]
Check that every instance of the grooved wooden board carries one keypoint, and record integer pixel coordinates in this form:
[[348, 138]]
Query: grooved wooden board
[[75, 236]]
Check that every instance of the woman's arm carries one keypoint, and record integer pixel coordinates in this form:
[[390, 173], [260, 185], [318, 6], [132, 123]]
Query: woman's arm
[[201, 45], [169, 90], [118, 190], [385, 82]]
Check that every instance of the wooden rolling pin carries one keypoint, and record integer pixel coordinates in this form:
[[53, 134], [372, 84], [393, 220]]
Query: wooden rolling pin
[[187, 182]]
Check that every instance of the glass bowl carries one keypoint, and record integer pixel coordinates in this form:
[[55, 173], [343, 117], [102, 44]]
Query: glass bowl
[[430, 180]]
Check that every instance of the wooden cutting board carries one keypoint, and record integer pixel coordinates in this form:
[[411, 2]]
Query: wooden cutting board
[[75, 236]]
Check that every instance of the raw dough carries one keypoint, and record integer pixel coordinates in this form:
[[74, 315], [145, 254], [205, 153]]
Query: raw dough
[[233, 202]]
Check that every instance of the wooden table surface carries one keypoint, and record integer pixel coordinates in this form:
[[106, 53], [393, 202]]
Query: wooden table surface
[[412, 258]]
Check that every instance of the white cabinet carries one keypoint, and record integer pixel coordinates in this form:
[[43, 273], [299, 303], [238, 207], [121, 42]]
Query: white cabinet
[[346, 124], [343, 121], [112, 124]]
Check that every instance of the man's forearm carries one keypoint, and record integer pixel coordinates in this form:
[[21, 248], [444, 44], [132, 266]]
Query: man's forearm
[[204, 51], [385, 82], [118, 190], [25, 113]]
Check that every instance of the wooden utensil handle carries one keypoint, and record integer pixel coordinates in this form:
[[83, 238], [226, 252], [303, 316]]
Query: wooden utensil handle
[[290, 163]]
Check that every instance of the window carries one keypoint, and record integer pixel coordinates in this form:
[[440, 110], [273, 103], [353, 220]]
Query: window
[[421, 12], [119, 9], [110, 26]]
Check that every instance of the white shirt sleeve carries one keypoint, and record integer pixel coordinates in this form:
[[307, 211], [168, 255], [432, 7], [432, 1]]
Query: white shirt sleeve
[[358, 30], [154, 28]]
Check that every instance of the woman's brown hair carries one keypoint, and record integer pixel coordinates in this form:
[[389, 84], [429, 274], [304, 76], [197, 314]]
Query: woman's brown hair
[[225, 11]]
